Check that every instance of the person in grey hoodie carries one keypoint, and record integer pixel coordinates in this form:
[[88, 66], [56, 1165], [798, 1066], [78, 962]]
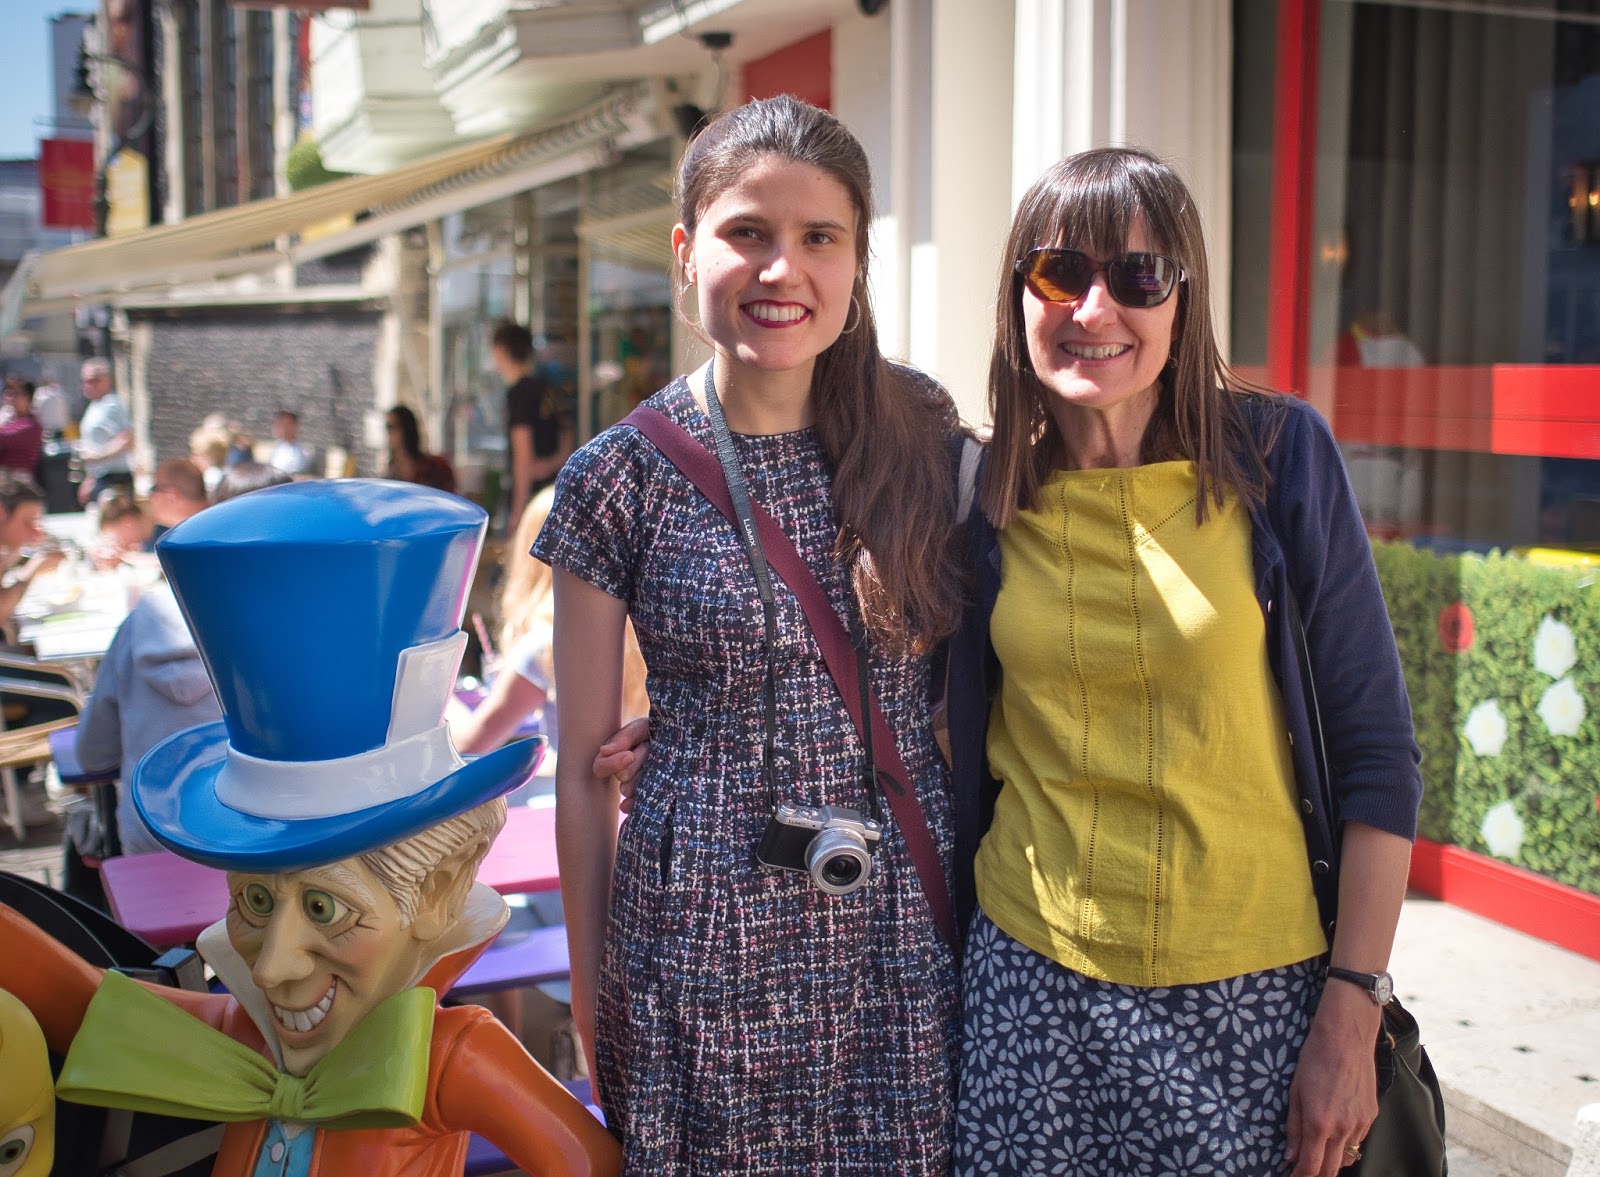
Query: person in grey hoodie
[[152, 683]]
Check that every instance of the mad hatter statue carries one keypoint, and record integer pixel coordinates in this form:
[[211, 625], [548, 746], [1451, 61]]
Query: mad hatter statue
[[328, 615]]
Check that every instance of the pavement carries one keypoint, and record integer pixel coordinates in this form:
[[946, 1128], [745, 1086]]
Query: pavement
[[1511, 1023]]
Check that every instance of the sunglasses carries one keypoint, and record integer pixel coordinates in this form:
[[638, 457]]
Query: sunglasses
[[1138, 280]]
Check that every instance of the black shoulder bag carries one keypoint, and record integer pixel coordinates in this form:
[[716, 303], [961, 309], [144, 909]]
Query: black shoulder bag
[[1407, 1138]]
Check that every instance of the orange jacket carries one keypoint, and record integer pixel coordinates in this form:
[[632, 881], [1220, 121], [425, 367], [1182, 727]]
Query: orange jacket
[[480, 1079]]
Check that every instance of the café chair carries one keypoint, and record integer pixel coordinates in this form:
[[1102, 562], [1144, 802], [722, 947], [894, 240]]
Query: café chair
[[26, 746]]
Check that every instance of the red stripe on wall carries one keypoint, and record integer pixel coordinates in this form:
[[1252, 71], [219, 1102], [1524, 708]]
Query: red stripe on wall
[[1538, 410], [804, 69], [1294, 147], [1509, 895]]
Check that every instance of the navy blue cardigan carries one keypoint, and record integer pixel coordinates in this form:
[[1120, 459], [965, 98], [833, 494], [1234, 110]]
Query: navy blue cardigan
[[1308, 539]]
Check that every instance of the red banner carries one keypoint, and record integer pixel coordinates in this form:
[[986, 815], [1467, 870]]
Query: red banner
[[66, 183]]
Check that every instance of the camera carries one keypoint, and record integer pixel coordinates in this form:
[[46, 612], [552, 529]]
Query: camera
[[830, 843]]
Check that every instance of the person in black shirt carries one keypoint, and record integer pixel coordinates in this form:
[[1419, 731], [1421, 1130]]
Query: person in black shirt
[[534, 441]]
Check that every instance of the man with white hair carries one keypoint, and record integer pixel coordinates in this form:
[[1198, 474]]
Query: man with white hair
[[105, 435]]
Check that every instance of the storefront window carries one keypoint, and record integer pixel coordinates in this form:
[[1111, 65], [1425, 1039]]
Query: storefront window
[[627, 232], [1254, 33], [471, 297], [1455, 268]]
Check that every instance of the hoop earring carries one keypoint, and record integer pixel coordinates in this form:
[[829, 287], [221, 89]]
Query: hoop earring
[[855, 305]]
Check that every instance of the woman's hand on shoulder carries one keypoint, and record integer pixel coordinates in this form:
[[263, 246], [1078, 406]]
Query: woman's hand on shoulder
[[1333, 1099], [621, 758]]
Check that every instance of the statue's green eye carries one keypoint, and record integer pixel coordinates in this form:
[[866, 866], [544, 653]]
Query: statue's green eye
[[11, 1150], [322, 908], [257, 899]]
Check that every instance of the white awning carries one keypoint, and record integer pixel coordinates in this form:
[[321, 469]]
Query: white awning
[[268, 233]]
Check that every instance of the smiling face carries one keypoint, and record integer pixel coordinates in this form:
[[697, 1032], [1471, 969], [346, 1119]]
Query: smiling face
[[326, 947], [1094, 354], [773, 260]]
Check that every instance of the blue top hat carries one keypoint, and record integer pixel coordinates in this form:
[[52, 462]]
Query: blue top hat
[[328, 615]]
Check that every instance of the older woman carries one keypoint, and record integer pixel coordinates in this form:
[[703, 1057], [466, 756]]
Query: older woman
[[1147, 984]]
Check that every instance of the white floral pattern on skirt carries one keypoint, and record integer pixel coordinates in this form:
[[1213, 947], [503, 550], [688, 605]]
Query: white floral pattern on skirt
[[1065, 1075]]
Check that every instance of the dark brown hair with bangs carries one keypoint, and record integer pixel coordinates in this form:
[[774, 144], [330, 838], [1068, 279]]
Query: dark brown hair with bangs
[[882, 428], [1091, 201]]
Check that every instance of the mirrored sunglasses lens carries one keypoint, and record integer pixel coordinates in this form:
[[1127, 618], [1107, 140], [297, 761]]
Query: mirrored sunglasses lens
[[1060, 275], [1141, 279]]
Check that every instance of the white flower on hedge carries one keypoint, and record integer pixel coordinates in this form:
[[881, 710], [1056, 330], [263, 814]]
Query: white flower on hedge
[[1562, 709], [1555, 650], [1502, 830], [1486, 729]]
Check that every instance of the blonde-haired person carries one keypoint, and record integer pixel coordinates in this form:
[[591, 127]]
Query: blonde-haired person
[[208, 448], [523, 683]]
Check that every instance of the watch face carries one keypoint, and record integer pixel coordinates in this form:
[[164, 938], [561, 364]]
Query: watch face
[[1382, 988]]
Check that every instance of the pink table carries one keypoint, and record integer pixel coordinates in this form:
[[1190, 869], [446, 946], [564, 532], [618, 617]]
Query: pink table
[[169, 900]]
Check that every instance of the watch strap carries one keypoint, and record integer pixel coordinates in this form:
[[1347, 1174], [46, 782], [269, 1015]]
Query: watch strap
[[1371, 982]]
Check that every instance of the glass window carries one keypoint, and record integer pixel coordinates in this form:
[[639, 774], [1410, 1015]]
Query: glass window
[[470, 298], [1254, 48], [627, 224], [1455, 266]]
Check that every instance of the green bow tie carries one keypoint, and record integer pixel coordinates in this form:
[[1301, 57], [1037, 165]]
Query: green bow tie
[[138, 1052]]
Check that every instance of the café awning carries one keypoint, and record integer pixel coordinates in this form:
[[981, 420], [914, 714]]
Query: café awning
[[268, 233]]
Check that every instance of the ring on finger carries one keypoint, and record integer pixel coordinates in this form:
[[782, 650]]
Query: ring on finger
[[1352, 1153]]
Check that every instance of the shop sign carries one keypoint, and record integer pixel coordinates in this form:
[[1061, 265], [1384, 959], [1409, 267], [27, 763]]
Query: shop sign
[[127, 193], [66, 183]]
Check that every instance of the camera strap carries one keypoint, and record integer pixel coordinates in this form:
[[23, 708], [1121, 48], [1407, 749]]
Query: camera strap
[[702, 468], [739, 493]]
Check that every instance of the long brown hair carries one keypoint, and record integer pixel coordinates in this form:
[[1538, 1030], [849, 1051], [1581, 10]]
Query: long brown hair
[[882, 428], [1091, 201]]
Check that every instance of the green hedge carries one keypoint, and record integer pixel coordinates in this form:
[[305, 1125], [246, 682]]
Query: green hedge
[[1545, 780]]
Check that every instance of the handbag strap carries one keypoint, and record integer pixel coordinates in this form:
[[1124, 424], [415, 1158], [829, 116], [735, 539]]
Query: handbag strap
[[700, 467]]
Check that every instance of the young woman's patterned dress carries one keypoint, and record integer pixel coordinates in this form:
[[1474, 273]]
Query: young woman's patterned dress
[[749, 1023]]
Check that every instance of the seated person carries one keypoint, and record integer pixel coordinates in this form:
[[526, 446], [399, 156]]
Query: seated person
[[124, 529], [21, 531], [408, 461], [179, 492], [152, 683], [208, 450]]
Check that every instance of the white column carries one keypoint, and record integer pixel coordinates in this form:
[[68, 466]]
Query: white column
[[1149, 73], [973, 47]]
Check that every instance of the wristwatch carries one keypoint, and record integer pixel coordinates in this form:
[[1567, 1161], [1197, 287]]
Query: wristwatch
[[1379, 986]]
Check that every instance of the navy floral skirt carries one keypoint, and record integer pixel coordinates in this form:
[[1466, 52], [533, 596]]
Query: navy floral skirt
[[1065, 1075]]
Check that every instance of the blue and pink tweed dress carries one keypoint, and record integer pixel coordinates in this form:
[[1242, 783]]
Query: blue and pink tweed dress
[[749, 1023]]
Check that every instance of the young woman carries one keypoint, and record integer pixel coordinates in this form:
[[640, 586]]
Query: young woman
[[739, 1018], [1146, 983]]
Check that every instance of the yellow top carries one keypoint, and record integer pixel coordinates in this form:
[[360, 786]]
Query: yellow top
[[1147, 833]]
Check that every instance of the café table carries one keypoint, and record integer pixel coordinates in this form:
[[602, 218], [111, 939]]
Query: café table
[[168, 900], [73, 613]]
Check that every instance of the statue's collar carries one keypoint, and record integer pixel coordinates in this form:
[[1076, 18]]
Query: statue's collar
[[481, 919]]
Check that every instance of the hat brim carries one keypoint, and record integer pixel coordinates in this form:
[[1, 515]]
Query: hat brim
[[174, 789]]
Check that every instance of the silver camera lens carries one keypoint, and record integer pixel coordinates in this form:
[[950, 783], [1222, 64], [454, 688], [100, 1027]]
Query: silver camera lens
[[838, 861]]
